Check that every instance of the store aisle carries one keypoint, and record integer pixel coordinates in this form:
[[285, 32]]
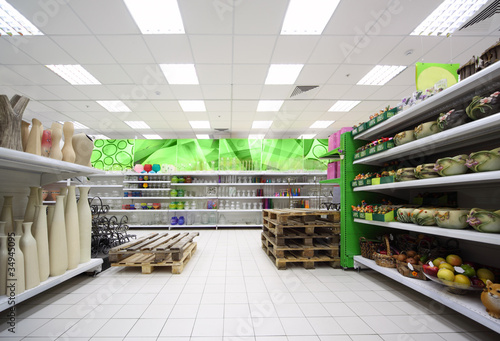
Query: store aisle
[[230, 290]]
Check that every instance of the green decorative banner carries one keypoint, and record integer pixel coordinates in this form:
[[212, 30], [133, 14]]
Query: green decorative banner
[[156, 151], [113, 154], [282, 155], [197, 155], [428, 74], [240, 154], [313, 149]]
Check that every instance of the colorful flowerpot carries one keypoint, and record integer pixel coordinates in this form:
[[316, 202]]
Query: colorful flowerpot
[[404, 214], [484, 161], [484, 220], [452, 119], [404, 137], [453, 218], [426, 129], [482, 107], [423, 216], [451, 165], [426, 171]]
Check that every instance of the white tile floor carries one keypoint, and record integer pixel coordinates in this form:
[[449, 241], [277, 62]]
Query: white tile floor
[[231, 291]]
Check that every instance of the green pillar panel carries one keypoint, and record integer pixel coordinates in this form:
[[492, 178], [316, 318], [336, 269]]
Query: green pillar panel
[[313, 148], [240, 154], [113, 154], [282, 155], [156, 151], [196, 155]]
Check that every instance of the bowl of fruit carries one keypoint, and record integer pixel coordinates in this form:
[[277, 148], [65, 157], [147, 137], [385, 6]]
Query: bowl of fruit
[[457, 276]]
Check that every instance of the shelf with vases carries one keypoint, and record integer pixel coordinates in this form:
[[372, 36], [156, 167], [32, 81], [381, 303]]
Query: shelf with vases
[[144, 226], [193, 198], [138, 198], [20, 168], [100, 186], [468, 305], [146, 181], [466, 135], [238, 210], [132, 211], [425, 110], [193, 184], [464, 180], [146, 189], [91, 266], [465, 234], [194, 226]]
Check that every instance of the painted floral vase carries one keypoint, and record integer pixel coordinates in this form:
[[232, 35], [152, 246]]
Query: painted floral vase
[[426, 129], [423, 216], [451, 165], [452, 119], [484, 220], [426, 171], [484, 161], [482, 107], [405, 174], [452, 218], [404, 214], [404, 137], [46, 142]]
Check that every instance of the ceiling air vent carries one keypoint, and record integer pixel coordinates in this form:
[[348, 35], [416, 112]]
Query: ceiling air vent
[[303, 88], [488, 12]]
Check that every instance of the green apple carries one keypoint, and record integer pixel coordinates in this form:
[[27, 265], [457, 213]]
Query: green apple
[[468, 270]]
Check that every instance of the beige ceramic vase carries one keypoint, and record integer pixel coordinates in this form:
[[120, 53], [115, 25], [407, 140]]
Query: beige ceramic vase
[[58, 247], [85, 224], [83, 147], [25, 133], [67, 150], [50, 216], [17, 281], [29, 248], [18, 227], [56, 134], [29, 213], [72, 229], [34, 145], [7, 214], [64, 192], [40, 233], [4, 256]]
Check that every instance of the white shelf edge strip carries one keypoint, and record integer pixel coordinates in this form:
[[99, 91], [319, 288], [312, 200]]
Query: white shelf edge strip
[[471, 235], [51, 282], [469, 306]]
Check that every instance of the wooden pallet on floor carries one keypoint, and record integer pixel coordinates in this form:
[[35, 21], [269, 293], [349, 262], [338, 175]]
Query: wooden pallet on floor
[[298, 235], [307, 263], [302, 232], [304, 216], [158, 245], [318, 247], [147, 261]]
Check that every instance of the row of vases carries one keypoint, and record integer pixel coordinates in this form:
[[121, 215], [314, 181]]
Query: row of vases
[[46, 242]]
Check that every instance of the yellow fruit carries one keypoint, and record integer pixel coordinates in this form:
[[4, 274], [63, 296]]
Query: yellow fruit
[[462, 279], [446, 275], [485, 274], [454, 260], [446, 266], [438, 261]]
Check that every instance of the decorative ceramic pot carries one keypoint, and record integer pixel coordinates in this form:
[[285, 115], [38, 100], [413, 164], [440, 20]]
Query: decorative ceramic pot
[[56, 133], [41, 235], [451, 165], [423, 216], [18, 280], [452, 119], [481, 107], [484, 220], [404, 214], [29, 248], [7, 214], [57, 240], [138, 168], [426, 171], [453, 218], [404, 137], [34, 145], [68, 153], [25, 133], [29, 213], [46, 142], [4, 256], [484, 161], [11, 115], [83, 147], [426, 129], [405, 174], [72, 229], [156, 168], [84, 224]]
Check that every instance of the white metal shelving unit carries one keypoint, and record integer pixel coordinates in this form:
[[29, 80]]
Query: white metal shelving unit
[[18, 171], [474, 136]]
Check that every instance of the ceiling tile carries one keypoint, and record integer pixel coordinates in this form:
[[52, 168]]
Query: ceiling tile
[[214, 74], [141, 106], [84, 49], [319, 105], [244, 106], [330, 49], [169, 48], [258, 16], [246, 91], [186, 92], [292, 105], [127, 48], [358, 93], [61, 106], [372, 49], [249, 74], [66, 92], [253, 49], [293, 49], [173, 116], [212, 49], [216, 91], [109, 74], [149, 74], [276, 92], [330, 91], [11, 54], [453, 46], [166, 106], [96, 92], [207, 17], [215, 106], [9, 77], [350, 74], [316, 74], [34, 92], [43, 49], [220, 116], [38, 74]]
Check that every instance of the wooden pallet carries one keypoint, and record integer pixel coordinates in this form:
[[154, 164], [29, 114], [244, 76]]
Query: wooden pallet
[[307, 263], [284, 230], [159, 245], [301, 216], [318, 247], [300, 236], [147, 261]]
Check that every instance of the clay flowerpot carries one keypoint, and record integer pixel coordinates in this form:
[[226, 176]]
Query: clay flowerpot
[[426, 171], [46, 142], [484, 161], [484, 220], [451, 165], [404, 137], [423, 216], [452, 218], [481, 107], [426, 129], [452, 119]]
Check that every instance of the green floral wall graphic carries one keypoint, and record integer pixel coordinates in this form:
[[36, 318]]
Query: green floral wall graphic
[[113, 154], [197, 154], [156, 151], [240, 154], [282, 155], [313, 149]]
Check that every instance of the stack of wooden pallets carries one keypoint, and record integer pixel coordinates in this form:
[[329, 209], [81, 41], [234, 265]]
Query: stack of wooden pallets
[[303, 236], [156, 249]]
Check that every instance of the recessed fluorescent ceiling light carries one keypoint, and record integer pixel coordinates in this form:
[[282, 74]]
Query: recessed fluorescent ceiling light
[[114, 106], [192, 105], [344, 106], [137, 124], [381, 74], [77, 125], [74, 74], [308, 17], [269, 105], [321, 124], [100, 137], [156, 16], [256, 136], [261, 124], [152, 136], [14, 23], [448, 17], [307, 136], [200, 124], [180, 73], [283, 73], [202, 136]]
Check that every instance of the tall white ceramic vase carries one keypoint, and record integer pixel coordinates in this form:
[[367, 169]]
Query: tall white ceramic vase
[[30, 252], [7, 214], [58, 247], [50, 216], [4, 256], [85, 224], [72, 229], [17, 280], [40, 232], [29, 213]]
